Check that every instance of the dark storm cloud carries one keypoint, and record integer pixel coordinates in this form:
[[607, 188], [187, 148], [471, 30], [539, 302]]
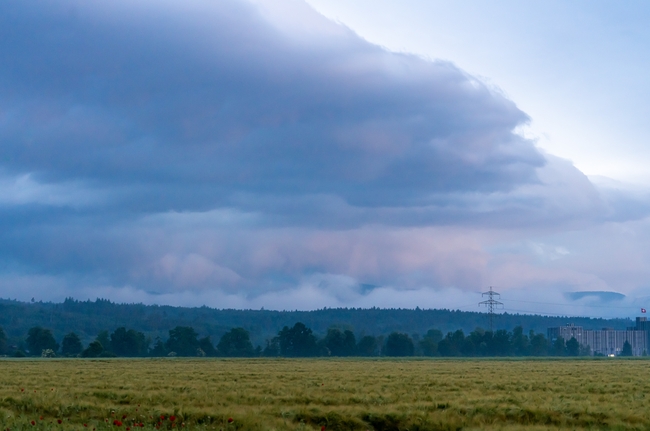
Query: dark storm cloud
[[254, 152], [188, 110]]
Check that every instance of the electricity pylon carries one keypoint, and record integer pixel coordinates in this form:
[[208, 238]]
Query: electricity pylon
[[491, 304]]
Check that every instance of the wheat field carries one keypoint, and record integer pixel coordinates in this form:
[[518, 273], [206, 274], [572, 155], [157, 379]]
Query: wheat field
[[338, 394]]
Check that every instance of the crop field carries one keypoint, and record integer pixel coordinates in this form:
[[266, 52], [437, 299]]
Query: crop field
[[305, 394]]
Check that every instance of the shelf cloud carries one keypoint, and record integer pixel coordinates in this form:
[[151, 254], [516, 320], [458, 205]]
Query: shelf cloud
[[247, 149]]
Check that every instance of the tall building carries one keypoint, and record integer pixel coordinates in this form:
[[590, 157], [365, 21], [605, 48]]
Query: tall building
[[607, 341]]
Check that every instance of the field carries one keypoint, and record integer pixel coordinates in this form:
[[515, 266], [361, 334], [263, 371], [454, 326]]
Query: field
[[355, 394]]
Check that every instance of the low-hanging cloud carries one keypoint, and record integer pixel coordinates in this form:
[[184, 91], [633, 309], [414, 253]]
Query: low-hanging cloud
[[240, 149]]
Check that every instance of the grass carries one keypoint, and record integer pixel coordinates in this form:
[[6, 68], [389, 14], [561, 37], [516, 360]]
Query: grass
[[354, 394]]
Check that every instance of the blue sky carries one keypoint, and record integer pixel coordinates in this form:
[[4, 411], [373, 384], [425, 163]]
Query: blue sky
[[294, 155], [577, 68]]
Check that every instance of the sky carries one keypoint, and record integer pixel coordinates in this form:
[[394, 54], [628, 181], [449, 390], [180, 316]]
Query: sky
[[578, 69], [301, 155]]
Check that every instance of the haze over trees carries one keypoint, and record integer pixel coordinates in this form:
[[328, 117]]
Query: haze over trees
[[87, 319], [300, 341]]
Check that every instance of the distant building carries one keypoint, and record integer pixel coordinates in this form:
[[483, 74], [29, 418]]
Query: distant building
[[607, 341]]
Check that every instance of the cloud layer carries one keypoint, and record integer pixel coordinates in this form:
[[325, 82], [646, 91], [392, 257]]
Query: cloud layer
[[240, 150]]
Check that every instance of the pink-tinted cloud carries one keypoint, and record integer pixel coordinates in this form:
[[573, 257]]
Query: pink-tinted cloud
[[244, 154]]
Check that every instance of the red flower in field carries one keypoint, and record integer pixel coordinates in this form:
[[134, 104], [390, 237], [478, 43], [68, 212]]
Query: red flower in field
[[128, 428], [33, 422], [117, 423], [230, 420], [172, 418], [40, 417], [86, 425], [59, 421], [322, 428], [22, 389], [123, 416]]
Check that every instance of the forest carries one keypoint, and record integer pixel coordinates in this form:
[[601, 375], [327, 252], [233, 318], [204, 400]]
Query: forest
[[296, 341], [87, 319]]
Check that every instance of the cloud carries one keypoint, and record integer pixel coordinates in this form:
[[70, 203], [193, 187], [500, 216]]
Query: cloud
[[23, 190], [251, 151], [203, 107]]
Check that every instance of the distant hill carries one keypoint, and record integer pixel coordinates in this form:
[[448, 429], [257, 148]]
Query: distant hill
[[88, 318]]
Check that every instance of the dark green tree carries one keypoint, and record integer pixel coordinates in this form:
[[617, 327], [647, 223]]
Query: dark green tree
[[158, 349], [272, 348], [559, 347], [452, 344], [434, 334], [94, 350], [340, 343], [468, 347], [480, 340], [572, 347], [236, 343], [367, 346], [627, 349], [501, 343], [71, 345], [429, 343], [398, 344], [538, 345], [129, 343], [297, 341], [585, 351], [520, 342], [39, 339], [3, 343], [104, 340], [182, 341], [206, 345], [485, 346]]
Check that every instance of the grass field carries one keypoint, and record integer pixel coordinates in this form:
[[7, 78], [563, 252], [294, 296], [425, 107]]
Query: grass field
[[306, 394]]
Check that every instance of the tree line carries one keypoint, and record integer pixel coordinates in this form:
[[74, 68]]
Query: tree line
[[296, 341], [88, 318]]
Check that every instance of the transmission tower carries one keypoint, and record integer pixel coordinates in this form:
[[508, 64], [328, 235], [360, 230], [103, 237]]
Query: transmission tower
[[491, 304]]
